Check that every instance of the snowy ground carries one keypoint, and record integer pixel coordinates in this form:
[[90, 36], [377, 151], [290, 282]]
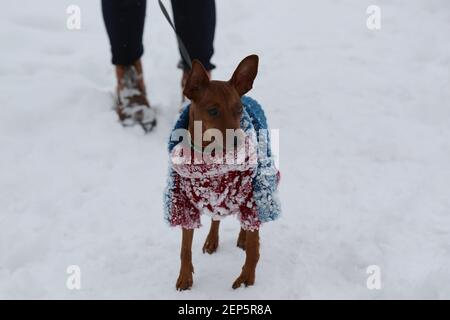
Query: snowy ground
[[365, 153]]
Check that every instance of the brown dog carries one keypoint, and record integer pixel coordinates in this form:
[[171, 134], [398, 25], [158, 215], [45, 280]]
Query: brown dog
[[218, 105]]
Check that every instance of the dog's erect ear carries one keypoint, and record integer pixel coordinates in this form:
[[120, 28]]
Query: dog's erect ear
[[245, 74], [196, 82]]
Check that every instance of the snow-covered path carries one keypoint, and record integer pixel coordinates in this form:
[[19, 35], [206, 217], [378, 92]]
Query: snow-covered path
[[365, 153]]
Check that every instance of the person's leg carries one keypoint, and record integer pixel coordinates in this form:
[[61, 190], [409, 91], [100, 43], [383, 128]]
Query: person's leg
[[195, 21], [124, 21]]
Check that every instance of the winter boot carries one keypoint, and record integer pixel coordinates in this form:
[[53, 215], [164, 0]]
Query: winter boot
[[132, 104]]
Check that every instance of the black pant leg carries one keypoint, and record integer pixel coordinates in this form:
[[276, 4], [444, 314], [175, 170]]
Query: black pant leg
[[195, 21], [124, 21]]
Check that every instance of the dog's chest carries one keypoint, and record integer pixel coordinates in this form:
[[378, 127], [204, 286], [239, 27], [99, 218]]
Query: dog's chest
[[221, 195]]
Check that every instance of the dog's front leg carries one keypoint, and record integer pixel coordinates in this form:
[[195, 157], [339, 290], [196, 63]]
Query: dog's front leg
[[212, 240], [185, 281], [247, 276]]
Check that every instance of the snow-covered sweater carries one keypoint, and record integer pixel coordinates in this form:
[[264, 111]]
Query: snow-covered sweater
[[213, 186]]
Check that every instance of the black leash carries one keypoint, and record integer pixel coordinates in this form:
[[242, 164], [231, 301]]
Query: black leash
[[183, 50]]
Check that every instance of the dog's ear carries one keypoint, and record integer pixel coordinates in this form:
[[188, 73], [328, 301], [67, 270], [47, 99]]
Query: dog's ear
[[245, 74], [196, 82]]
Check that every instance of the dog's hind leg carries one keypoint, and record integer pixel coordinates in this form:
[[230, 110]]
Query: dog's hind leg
[[212, 240], [185, 280], [241, 239], [247, 276]]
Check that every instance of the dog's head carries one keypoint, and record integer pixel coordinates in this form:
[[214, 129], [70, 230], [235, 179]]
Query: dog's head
[[218, 103]]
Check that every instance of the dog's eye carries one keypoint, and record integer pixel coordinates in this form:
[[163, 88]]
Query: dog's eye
[[213, 111]]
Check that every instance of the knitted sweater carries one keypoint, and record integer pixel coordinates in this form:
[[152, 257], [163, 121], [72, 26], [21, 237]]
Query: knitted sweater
[[246, 188]]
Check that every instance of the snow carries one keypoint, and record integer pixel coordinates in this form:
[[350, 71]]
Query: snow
[[364, 154]]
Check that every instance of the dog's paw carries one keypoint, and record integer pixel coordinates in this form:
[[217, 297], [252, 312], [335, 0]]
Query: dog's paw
[[184, 281], [211, 244], [247, 278]]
